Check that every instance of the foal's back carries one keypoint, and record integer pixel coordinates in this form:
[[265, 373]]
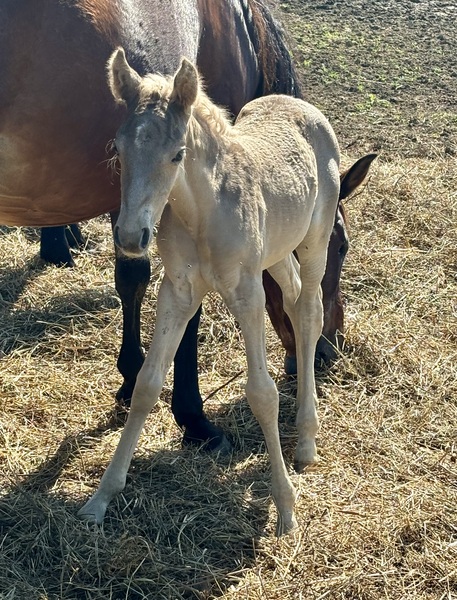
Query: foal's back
[[285, 159], [282, 124]]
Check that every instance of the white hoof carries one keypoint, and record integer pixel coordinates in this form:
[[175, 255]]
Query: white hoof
[[287, 523], [94, 510]]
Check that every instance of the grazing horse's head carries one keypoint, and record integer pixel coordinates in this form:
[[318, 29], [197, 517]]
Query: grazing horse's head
[[151, 145], [332, 334]]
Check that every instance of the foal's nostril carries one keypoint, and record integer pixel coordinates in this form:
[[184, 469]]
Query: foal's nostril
[[116, 236], [145, 238]]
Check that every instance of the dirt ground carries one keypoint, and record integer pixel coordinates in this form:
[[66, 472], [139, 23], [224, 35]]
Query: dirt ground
[[378, 515], [384, 71]]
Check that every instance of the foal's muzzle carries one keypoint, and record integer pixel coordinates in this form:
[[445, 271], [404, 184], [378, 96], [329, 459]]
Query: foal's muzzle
[[132, 244]]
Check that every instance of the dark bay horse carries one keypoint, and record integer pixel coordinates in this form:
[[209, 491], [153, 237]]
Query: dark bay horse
[[57, 117]]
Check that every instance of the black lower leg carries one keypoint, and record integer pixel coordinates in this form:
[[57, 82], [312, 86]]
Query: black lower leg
[[132, 277], [54, 247], [187, 404]]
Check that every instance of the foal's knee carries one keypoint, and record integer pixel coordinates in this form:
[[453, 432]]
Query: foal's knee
[[146, 392], [263, 399]]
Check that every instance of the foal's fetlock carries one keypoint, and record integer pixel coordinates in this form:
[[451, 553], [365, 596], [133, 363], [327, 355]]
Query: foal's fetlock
[[284, 495]]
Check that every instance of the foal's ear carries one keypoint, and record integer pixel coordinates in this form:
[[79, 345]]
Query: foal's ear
[[185, 85], [123, 80]]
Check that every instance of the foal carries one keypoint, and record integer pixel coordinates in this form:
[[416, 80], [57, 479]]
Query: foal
[[232, 201]]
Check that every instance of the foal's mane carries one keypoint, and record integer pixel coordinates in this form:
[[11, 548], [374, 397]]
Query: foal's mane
[[156, 91], [214, 119]]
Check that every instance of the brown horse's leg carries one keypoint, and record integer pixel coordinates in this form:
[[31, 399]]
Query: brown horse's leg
[[54, 247], [280, 321], [187, 403], [55, 244], [332, 334], [74, 236]]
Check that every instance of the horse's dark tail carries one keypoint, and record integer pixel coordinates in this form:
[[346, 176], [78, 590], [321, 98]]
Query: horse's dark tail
[[267, 36]]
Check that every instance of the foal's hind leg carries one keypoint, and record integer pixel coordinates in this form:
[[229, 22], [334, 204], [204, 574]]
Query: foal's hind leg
[[303, 303], [308, 325], [247, 305]]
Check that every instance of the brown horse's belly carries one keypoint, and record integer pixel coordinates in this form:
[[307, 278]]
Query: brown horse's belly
[[42, 189]]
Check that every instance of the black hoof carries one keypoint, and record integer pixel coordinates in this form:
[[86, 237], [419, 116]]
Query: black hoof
[[218, 446], [60, 259], [327, 352], [207, 436], [124, 394], [54, 247]]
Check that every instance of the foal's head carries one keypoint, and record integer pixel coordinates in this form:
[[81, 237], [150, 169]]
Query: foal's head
[[151, 144]]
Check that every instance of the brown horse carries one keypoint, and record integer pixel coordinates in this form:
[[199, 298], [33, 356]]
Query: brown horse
[[56, 118]]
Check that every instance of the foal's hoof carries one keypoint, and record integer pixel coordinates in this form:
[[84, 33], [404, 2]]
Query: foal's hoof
[[306, 456], [301, 466], [286, 524], [290, 365], [93, 512]]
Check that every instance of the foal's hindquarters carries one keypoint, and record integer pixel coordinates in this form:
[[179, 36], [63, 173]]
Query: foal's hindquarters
[[247, 197]]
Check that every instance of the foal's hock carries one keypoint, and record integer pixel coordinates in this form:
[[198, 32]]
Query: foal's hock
[[232, 200]]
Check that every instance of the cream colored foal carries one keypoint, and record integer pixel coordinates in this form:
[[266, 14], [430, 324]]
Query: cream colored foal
[[232, 201]]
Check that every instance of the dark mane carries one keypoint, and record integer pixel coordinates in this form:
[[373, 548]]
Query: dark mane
[[267, 36]]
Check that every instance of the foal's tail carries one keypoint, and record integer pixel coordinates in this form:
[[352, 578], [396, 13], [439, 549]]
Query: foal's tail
[[278, 74]]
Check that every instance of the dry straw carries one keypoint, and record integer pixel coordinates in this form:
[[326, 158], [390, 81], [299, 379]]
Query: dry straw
[[378, 516]]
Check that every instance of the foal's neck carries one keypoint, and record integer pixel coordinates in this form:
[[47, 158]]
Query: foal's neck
[[208, 139]]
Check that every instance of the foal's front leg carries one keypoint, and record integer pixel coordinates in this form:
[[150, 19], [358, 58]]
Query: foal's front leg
[[173, 314], [247, 305]]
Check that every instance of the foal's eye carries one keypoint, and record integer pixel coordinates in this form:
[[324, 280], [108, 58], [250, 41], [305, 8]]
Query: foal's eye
[[178, 158]]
